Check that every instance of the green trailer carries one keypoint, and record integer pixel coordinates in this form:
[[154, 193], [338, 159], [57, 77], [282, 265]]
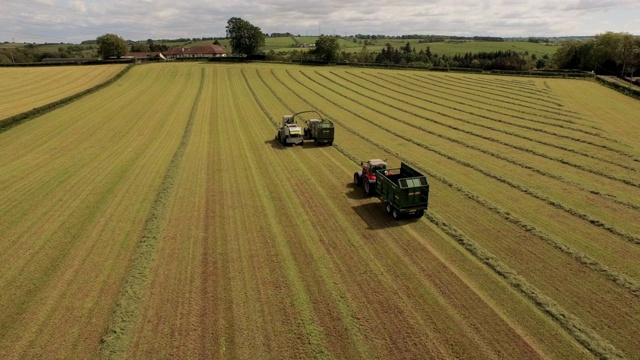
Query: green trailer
[[405, 191], [320, 131]]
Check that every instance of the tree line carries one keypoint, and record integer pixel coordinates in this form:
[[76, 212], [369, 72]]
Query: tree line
[[607, 54]]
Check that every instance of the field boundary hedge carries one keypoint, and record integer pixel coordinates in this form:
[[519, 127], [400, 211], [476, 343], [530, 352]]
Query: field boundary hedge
[[7, 123], [623, 89]]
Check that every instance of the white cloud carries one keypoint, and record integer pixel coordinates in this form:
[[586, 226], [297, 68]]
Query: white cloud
[[77, 20]]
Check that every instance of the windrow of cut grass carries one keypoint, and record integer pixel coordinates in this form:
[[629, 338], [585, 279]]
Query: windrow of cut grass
[[350, 156], [77, 189], [417, 110], [297, 242], [594, 139], [159, 218], [23, 89], [578, 306], [432, 145], [127, 308], [612, 274]]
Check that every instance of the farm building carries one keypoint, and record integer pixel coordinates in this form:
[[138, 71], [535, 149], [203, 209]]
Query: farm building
[[145, 55], [196, 52]]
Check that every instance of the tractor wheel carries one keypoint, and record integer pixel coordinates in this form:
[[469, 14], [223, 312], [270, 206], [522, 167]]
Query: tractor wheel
[[389, 208], [367, 187], [356, 179], [396, 214], [315, 142], [419, 213]]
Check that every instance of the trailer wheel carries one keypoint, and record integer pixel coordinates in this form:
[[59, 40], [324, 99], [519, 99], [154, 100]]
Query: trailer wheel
[[419, 213], [395, 213], [315, 142], [356, 179], [389, 208]]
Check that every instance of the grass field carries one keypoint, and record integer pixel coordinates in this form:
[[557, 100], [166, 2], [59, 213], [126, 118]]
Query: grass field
[[158, 218], [36, 86]]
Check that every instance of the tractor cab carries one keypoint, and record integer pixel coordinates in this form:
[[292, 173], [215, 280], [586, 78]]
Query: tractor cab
[[370, 167]]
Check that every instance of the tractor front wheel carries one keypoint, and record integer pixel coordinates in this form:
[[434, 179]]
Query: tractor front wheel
[[367, 186], [356, 179]]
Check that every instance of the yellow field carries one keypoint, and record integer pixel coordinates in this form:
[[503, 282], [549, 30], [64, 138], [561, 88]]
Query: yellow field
[[23, 89], [158, 218]]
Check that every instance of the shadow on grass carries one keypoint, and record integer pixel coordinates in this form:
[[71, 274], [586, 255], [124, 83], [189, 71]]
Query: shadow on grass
[[376, 217]]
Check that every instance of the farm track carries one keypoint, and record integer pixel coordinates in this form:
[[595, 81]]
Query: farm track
[[602, 322], [516, 125], [613, 229]]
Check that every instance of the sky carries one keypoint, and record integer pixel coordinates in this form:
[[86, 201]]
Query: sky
[[73, 21]]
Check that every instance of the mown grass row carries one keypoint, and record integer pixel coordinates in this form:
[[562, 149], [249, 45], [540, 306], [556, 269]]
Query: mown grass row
[[347, 313], [491, 139], [618, 278], [583, 334], [114, 342], [7, 123], [482, 83], [498, 100], [585, 217], [566, 162], [516, 124], [524, 137]]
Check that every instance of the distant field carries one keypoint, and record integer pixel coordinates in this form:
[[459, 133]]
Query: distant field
[[158, 218], [23, 89], [440, 48]]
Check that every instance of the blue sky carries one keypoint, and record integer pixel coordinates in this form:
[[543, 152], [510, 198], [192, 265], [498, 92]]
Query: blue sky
[[76, 20]]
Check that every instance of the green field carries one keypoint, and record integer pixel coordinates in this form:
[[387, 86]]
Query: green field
[[158, 218]]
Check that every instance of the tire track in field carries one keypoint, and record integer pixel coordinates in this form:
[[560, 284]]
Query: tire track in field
[[608, 197], [618, 278], [118, 334], [563, 161], [583, 334], [569, 137], [558, 205], [624, 166], [469, 327]]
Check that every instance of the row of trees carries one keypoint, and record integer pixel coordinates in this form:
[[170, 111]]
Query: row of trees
[[608, 53]]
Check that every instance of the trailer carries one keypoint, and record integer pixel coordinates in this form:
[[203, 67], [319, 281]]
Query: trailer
[[320, 131], [405, 190]]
